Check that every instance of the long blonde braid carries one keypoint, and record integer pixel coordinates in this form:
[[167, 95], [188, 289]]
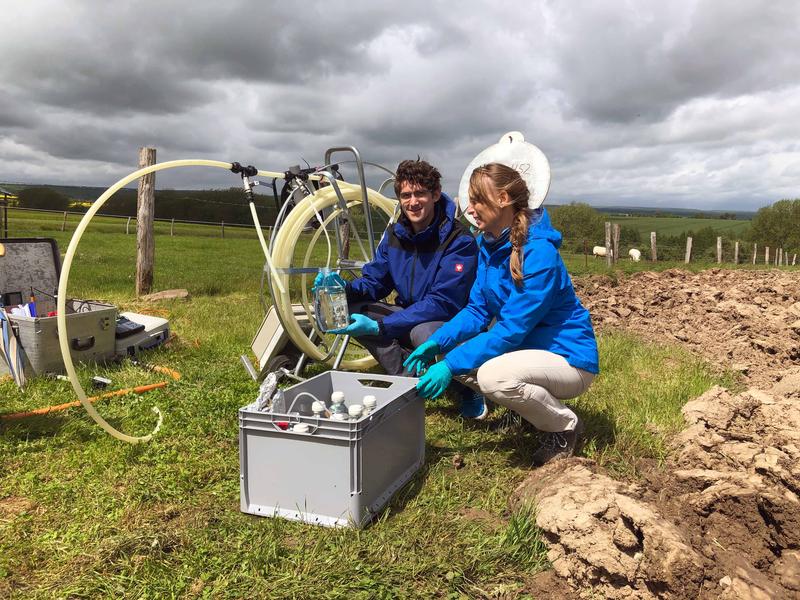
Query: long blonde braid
[[506, 179]]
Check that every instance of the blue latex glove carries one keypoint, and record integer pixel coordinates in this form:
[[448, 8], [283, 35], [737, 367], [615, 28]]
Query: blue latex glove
[[361, 325], [335, 277], [420, 358], [435, 380]]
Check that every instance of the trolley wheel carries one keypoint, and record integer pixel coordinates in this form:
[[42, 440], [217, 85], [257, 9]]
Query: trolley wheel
[[280, 361]]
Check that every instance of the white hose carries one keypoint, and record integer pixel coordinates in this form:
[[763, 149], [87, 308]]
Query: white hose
[[265, 248], [63, 338]]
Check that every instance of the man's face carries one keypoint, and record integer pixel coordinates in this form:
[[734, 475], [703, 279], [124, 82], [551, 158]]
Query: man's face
[[418, 204]]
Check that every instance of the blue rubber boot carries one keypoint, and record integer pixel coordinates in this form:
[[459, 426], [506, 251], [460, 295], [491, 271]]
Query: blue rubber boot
[[473, 404]]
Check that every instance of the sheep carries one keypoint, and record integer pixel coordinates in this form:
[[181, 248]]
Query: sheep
[[636, 255], [601, 251]]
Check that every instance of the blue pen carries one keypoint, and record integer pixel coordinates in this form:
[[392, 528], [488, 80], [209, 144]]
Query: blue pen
[[32, 304]]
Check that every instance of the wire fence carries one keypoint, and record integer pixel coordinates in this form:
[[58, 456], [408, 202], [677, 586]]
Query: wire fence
[[26, 220], [721, 250], [29, 221]]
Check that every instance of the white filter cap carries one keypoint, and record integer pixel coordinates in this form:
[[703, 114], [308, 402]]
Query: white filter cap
[[337, 397], [355, 410], [369, 401], [512, 150]]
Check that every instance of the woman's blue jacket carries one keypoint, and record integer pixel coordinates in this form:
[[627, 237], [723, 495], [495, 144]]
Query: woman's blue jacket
[[543, 313]]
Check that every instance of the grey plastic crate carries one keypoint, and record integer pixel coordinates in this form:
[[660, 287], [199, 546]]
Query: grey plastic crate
[[340, 473], [35, 263]]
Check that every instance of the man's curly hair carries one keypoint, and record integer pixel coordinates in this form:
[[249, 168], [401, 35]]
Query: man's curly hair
[[417, 172]]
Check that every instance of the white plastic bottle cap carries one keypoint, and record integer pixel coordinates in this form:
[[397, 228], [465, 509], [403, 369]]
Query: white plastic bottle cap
[[337, 397], [339, 416], [317, 407], [355, 410], [300, 427], [369, 402]]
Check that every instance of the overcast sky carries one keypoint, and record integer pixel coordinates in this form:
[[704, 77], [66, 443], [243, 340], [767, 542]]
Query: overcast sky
[[646, 103]]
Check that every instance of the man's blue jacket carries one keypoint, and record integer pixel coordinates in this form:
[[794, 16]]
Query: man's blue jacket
[[543, 313], [432, 270]]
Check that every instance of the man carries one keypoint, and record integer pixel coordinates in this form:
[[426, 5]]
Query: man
[[430, 259]]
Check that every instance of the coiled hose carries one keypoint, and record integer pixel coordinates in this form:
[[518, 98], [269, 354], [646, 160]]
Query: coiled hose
[[63, 338]]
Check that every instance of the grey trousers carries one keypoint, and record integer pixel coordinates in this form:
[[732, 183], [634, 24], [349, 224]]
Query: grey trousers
[[392, 352], [532, 383]]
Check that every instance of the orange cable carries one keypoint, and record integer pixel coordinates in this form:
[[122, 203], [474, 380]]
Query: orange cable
[[134, 390]]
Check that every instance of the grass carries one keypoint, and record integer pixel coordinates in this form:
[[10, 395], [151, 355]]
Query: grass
[[85, 516], [676, 225]]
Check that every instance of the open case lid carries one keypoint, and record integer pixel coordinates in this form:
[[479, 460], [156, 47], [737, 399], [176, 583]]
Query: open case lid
[[29, 262], [511, 150]]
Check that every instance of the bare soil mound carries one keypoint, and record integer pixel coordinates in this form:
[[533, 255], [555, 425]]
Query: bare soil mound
[[722, 520], [743, 320]]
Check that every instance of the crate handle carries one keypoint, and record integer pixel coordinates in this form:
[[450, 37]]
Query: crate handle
[[86, 344], [364, 381], [290, 424]]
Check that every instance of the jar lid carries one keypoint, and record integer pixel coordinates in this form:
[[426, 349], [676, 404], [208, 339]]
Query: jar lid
[[369, 401], [300, 427], [355, 410], [339, 416], [317, 407], [337, 397]]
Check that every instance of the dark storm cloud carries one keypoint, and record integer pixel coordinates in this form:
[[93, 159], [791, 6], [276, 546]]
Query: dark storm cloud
[[644, 60]]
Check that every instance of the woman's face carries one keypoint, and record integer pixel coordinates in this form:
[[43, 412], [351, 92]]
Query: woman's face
[[491, 215]]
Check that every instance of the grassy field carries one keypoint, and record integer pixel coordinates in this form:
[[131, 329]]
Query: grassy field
[[676, 225], [84, 516]]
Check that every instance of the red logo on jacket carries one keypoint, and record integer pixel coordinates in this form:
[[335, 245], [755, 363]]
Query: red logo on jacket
[[459, 267]]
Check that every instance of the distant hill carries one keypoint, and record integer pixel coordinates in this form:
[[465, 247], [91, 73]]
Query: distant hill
[[649, 211], [84, 193]]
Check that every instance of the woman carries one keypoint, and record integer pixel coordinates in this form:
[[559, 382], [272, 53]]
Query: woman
[[542, 347]]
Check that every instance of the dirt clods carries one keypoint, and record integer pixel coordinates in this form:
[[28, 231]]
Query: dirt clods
[[603, 537], [742, 320], [722, 519]]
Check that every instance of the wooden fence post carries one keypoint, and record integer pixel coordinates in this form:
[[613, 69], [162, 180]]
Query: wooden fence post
[[609, 250], [172, 228], [794, 259], [223, 230], [145, 238], [64, 222], [128, 226], [653, 253], [736, 253], [719, 250], [780, 256], [615, 235], [766, 255], [755, 252], [585, 254], [688, 250]]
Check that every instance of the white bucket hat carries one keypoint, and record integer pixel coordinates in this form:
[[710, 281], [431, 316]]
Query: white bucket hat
[[512, 150]]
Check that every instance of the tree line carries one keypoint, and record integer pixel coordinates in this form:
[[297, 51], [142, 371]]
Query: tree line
[[228, 205], [776, 226]]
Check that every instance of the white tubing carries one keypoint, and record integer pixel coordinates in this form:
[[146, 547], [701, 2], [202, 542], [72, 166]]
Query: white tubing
[[63, 338], [265, 248]]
